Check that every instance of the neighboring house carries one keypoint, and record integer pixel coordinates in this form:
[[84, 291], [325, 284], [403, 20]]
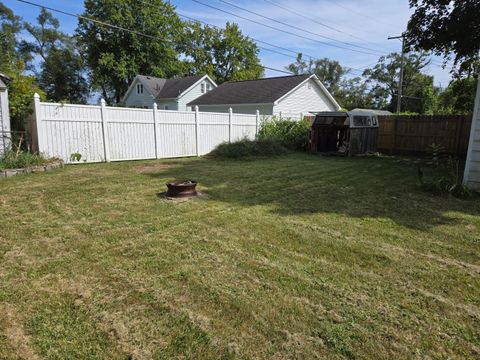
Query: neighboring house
[[287, 95], [169, 94], [4, 114], [472, 165]]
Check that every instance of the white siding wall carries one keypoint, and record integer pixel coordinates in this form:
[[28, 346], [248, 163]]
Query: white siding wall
[[139, 100], [172, 104], [192, 95], [304, 99], [472, 170], [240, 109], [4, 120]]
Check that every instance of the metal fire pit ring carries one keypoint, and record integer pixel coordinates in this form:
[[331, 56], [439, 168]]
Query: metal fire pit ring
[[181, 189]]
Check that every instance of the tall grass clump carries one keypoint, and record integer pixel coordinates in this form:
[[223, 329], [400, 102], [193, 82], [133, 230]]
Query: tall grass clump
[[248, 148], [21, 159], [291, 134]]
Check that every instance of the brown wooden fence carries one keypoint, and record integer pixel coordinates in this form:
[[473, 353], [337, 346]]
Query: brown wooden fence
[[413, 134]]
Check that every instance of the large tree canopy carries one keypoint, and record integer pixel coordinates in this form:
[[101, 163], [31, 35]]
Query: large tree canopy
[[62, 70], [447, 27], [225, 54], [417, 87], [115, 57]]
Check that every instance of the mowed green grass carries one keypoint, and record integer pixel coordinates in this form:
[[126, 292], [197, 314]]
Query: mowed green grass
[[292, 257]]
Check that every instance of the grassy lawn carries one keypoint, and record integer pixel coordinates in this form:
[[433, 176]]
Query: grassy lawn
[[294, 257]]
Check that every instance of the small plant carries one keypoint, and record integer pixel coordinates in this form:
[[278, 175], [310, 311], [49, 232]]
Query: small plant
[[248, 148], [445, 175], [75, 157], [291, 134], [21, 159]]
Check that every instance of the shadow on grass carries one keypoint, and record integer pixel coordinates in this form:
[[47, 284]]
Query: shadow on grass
[[307, 184]]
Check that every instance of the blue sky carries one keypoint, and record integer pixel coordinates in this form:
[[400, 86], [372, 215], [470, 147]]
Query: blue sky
[[364, 23]]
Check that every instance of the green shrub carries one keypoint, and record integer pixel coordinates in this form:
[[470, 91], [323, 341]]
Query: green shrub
[[248, 148], [22, 159], [440, 173], [291, 134]]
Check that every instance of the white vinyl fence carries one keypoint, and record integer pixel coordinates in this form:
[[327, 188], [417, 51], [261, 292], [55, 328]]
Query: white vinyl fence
[[103, 133]]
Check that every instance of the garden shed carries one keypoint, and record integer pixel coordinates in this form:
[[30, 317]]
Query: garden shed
[[344, 133], [4, 114]]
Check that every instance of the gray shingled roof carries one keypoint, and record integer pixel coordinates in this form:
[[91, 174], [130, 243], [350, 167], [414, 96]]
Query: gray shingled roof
[[168, 88], [262, 91]]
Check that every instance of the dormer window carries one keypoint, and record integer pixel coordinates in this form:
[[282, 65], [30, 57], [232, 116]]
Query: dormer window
[[208, 87], [139, 88], [202, 87]]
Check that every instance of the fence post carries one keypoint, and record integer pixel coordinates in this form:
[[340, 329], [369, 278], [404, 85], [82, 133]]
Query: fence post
[[257, 118], [155, 125], [230, 116], [38, 123], [106, 147], [197, 133]]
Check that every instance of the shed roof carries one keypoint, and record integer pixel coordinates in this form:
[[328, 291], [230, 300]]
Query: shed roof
[[167, 88], [261, 91]]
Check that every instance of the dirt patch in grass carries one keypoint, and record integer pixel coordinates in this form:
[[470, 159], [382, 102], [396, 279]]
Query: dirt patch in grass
[[151, 168], [13, 329]]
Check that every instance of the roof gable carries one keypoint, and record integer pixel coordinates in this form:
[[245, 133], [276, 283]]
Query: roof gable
[[160, 88], [262, 91]]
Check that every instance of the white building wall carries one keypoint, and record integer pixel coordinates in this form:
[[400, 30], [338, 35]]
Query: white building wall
[[134, 99], [472, 168], [308, 97], [170, 104], [265, 109], [192, 94], [4, 120]]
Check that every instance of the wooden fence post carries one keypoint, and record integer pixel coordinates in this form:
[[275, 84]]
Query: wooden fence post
[[197, 132], [230, 116], [257, 118], [106, 145], [155, 130], [39, 124]]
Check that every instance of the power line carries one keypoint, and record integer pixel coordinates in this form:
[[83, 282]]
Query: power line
[[296, 27], [281, 30], [306, 16], [116, 27]]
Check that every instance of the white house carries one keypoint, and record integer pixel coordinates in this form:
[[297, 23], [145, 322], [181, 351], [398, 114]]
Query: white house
[[288, 96], [4, 114], [169, 94], [472, 165]]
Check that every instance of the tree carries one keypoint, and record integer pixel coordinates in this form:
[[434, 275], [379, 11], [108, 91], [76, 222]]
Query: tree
[[225, 54], [62, 76], [446, 27], [458, 97], [10, 26], [115, 57], [62, 69], [384, 79]]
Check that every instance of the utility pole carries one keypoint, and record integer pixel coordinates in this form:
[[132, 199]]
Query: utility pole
[[402, 65]]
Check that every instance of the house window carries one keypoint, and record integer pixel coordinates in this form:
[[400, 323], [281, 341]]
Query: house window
[[139, 88], [208, 87], [203, 88]]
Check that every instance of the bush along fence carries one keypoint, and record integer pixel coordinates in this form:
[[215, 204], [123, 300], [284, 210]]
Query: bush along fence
[[413, 134], [88, 133]]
